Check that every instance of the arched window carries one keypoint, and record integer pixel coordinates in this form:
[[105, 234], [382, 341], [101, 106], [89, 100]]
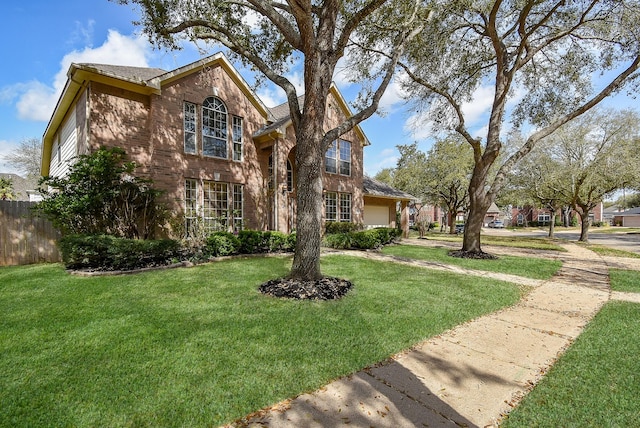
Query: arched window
[[214, 128]]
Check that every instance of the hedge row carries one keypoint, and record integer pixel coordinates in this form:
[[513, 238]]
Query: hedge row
[[105, 252], [362, 240], [248, 242], [108, 253]]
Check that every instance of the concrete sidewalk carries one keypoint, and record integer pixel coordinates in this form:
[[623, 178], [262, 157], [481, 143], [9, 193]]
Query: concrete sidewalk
[[469, 376]]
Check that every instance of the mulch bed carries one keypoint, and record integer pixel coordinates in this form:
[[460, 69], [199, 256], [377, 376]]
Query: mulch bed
[[478, 255], [327, 288]]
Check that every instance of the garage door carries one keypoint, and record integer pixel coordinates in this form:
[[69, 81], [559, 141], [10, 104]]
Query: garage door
[[375, 215], [631, 221]]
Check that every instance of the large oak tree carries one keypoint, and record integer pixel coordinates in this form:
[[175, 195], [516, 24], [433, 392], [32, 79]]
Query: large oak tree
[[270, 36], [540, 57]]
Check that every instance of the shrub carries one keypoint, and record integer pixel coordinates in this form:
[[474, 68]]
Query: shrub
[[363, 240], [332, 227], [222, 244], [276, 241], [340, 241], [291, 242], [250, 241], [104, 252], [100, 196], [255, 241], [598, 224]]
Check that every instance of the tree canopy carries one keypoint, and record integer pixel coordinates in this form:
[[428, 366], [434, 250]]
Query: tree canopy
[[539, 58], [26, 157], [271, 37]]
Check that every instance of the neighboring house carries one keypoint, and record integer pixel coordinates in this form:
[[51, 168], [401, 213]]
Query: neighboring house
[[493, 213], [24, 188], [628, 218], [524, 215], [223, 159]]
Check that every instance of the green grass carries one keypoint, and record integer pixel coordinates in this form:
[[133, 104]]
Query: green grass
[[201, 346], [505, 241], [612, 252], [596, 383], [529, 267], [625, 280]]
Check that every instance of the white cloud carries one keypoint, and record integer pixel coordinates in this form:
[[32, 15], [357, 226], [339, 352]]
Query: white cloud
[[374, 162], [272, 95], [480, 104], [36, 100]]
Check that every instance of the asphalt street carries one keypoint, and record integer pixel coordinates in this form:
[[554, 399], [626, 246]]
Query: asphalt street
[[618, 240]]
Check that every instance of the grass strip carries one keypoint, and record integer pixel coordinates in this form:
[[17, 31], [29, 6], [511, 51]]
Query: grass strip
[[529, 267], [596, 383], [611, 252], [505, 241], [201, 346], [625, 280]]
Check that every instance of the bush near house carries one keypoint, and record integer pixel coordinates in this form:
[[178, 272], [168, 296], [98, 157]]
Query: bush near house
[[333, 227], [362, 240], [109, 253]]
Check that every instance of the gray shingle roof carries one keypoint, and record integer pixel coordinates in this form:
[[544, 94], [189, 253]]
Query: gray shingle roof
[[139, 74], [372, 187]]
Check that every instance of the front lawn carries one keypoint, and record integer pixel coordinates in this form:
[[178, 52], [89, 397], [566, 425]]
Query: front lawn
[[201, 346], [596, 383], [529, 267]]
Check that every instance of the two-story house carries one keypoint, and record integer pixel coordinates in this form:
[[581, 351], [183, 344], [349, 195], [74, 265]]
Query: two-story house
[[205, 138]]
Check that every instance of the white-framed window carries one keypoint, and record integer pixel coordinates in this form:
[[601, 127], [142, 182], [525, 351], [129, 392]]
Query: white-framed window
[[331, 206], [219, 206], [238, 207], [345, 207], [345, 157], [190, 205], [215, 208], [338, 158], [337, 206], [190, 119], [289, 176], [214, 128], [236, 136], [331, 159], [520, 219], [544, 218]]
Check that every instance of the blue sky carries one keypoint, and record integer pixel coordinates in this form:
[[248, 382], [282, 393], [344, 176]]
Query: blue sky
[[41, 38]]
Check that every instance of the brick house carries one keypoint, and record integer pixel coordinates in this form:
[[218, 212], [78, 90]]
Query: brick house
[[205, 138], [525, 215]]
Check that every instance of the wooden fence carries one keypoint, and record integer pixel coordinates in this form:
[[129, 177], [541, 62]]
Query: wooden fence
[[25, 238]]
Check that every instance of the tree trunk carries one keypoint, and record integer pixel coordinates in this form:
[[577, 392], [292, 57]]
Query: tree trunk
[[479, 203], [310, 150], [584, 228], [451, 219], [552, 225]]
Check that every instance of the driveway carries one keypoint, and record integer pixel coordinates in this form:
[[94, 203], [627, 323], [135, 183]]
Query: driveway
[[620, 241]]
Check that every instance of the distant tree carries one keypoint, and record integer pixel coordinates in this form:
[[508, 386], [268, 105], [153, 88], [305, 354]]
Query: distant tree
[[536, 181], [626, 201], [447, 171], [6, 189], [26, 157], [595, 155], [409, 174], [101, 196], [385, 175]]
